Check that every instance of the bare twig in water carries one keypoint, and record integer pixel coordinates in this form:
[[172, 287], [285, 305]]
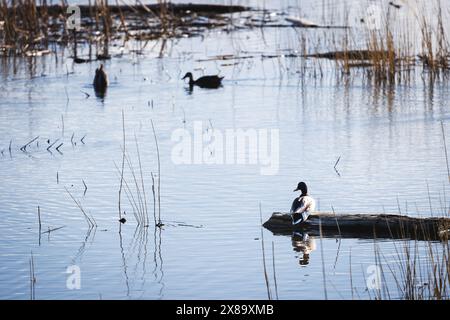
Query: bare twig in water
[[54, 142], [89, 220], [85, 187], [40, 225], [337, 161], [335, 166], [62, 125], [82, 139], [269, 294], [24, 147], [123, 166], [39, 219], [340, 238], [51, 230], [71, 138], [60, 145], [67, 96], [9, 148], [159, 176], [445, 149]]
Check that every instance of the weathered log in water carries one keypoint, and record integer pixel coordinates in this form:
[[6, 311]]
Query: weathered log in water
[[305, 23], [178, 9], [351, 55], [365, 226]]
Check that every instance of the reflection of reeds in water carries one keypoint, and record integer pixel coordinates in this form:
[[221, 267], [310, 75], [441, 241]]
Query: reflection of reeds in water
[[323, 263], [266, 277], [265, 271], [82, 249], [32, 278], [134, 255], [274, 271]]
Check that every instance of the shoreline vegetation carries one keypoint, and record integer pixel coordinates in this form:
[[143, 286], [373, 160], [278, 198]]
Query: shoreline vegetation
[[28, 29], [386, 54]]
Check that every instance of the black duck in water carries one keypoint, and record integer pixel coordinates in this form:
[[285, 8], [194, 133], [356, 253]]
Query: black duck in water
[[211, 82], [100, 81]]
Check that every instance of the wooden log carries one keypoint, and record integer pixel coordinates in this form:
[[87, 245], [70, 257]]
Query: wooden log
[[352, 55], [301, 22], [364, 226], [178, 9]]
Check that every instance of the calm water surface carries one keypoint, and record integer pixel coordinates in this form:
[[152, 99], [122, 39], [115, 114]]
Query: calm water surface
[[388, 138]]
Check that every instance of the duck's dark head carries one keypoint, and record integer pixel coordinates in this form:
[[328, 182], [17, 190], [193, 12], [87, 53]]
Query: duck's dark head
[[302, 187], [189, 76]]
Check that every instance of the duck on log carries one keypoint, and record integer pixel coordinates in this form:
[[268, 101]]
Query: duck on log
[[364, 226]]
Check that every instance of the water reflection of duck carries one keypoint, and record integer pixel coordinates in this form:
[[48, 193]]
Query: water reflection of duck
[[303, 244], [211, 82], [100, 80]]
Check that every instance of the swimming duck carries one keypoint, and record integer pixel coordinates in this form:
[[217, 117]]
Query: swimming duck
[[303, 205], [210, 82], [100, 80]]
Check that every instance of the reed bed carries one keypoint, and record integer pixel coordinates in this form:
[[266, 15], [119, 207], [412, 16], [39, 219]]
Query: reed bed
[[416, 269], [419, 271], [392, 51], [132, 183], [28, 27]]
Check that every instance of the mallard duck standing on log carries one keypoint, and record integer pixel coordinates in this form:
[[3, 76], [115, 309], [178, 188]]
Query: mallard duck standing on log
[[303, 205]]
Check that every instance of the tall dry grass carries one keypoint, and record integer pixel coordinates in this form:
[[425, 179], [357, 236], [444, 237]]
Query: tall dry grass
[[390, 52]]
